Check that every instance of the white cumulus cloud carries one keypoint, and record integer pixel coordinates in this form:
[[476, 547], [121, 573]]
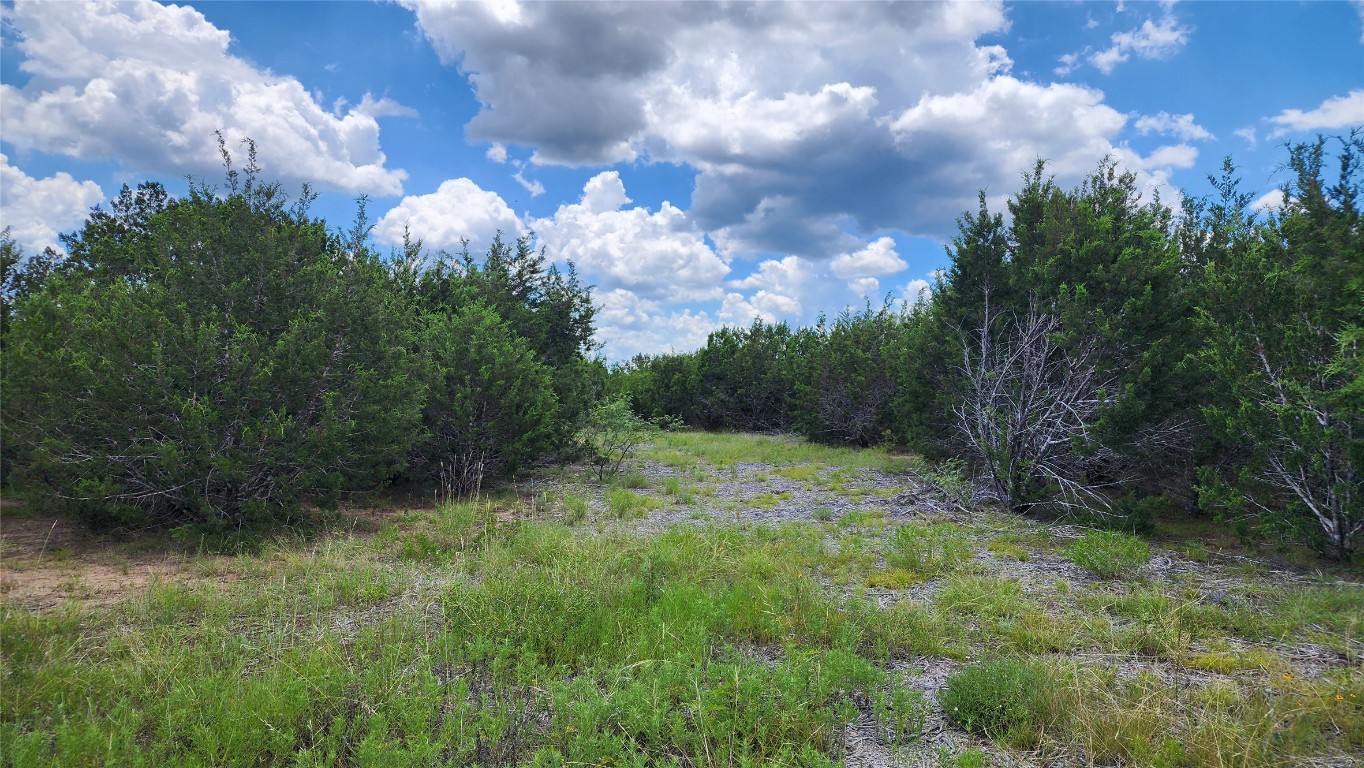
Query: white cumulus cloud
[[1270, 202], [1152, 40], [1181, 127], [916, 291], [148, 84], [878, 258], [1336, 112], [659, 255], [37, 210], [458, 210]]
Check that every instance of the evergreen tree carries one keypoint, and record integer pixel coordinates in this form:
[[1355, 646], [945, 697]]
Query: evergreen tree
[[211, 358], [1282, 314]]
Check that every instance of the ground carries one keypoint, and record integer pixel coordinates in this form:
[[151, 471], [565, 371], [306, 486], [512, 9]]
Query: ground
[[727, 599]]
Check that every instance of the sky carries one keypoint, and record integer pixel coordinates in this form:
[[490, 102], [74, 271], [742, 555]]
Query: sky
[[701, 164]]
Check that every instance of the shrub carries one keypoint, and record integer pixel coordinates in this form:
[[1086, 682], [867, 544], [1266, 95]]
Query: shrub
[[613, 434], [220, 359], [1002, 697], [491, 406], [1109, 553]]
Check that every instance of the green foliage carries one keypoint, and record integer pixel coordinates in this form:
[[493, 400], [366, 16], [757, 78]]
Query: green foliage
[[612, 434], [1282, 311], [215, 358], [1003, 698], [744, 379], [900, 714], [847, 386], [1109, 553], [491, 406]]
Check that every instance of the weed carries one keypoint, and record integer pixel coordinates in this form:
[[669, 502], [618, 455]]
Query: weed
[[632, 479], [928, 549], [892, 578], [1109, 553], [900, 714], [802, 473], [1003, 698], [625, 503], [1001, 547], [769, 500], [970, 758], [576, 508]]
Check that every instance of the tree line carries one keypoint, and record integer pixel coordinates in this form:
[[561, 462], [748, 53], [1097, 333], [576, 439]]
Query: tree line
[[228, 358], [1095, 351]]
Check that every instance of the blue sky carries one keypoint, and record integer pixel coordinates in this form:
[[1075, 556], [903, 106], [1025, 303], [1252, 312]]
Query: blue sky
[[701, 164]]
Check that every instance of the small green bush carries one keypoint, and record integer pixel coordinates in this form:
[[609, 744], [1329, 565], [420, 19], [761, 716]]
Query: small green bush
[[1109, 553], [1002, 697]]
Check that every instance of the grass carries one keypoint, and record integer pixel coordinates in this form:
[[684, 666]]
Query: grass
[[625, 503], [504, 632], [1109, 553]]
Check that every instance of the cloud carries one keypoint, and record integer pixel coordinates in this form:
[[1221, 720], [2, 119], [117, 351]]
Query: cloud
[[1336, 112], [1068, 63], [997, 130], [646, 332], [147, 84], [1152, 40], [781, 108], [533, 186], [37, 210], [1248, 135], [868, 288], [811, 127], [789, 275], [497, 153], [1270, 202], [916, 291], [658, 255], [586, 83], [878, 258], [1181, 127], [458, 210]]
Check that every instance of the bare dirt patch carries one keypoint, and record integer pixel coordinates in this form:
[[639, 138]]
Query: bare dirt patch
[[47, 561]]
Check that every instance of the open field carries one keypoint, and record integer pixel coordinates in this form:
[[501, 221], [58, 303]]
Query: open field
[[729, 600]]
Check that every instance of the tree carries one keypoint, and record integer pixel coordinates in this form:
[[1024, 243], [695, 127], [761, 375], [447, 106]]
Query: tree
[[1282, 311], [848, 385], [491, 406], [1029, 410], [212, 358], [548, 308]]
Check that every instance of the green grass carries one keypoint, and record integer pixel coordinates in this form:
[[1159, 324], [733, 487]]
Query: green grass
[[1006, 698], [556, 644], [625, 503], [928, 550], [728, 449], [1109, 553], [503, 632]]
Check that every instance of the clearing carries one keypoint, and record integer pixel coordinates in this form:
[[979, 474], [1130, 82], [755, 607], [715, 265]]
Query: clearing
[[729, 600]]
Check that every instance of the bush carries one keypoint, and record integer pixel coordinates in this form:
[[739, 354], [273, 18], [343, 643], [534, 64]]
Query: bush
[[209, 359], [612, 434], [1109, 553], [491, 406], [1005, 697]]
